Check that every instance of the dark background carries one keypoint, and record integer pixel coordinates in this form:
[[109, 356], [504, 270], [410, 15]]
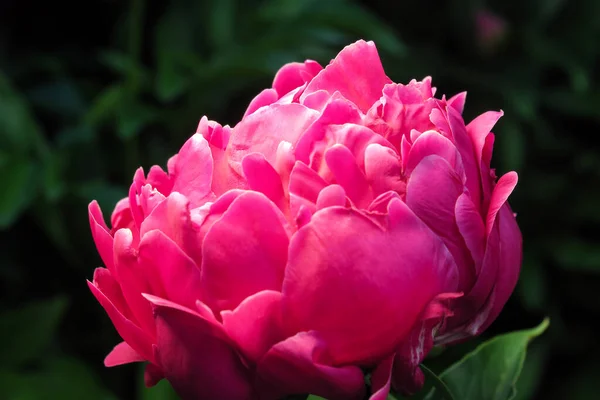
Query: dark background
[[90, 90]]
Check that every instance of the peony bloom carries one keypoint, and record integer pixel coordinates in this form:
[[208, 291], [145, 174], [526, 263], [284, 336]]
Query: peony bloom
[[343, 227]]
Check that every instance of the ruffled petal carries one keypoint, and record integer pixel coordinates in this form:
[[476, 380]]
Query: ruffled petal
[[244, 252], [299, 365]]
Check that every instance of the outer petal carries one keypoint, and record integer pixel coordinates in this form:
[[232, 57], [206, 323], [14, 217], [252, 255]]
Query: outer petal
[[132, 279], [347, 274], [511, 257], [432, 192], [356, 73], [255, 325], [244, 252], [195, 358], [101, 235], [123, 353], [131, 333], [300, 364], [381, 379], [407, 376]]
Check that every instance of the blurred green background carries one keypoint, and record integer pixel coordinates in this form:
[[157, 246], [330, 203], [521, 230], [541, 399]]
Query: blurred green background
[[91, 90]]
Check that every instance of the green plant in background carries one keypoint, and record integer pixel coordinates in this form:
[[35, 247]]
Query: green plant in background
[[76, 120]]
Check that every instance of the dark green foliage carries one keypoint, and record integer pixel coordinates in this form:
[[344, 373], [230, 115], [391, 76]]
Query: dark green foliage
[[91, 91]]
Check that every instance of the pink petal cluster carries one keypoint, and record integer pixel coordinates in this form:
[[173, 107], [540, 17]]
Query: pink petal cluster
[[344, 226]]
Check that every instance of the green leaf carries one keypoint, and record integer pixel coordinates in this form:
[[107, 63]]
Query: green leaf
[[315, 397], [438, 384], [59, 378], [19, 187], [491, 371], [27, 331]]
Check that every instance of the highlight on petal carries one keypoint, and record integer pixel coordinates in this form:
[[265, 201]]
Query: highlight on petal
[[123, 353], [356, 73], [300, 365]]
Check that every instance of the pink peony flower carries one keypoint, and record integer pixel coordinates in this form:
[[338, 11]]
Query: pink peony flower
[[345, 225]]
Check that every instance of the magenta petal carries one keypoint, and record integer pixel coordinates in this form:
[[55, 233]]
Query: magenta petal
[[152, 374], [107, 284], [348, 175], [346, 274], [193, 169], [381, 379], [255, 325], [123, 353], [356, 73], [298, 365], [331, 196], [244, 252], [172, 217], [502, 190], [458, 102], [131, 333], [407, 376], [294, 75], [176, 273], [480, 127], [471, 228], [101, 235], [263, 178], [264, 98], [263, 130], [383, 169], [132, 279], [432, 191], [195, 358], [432, 143], [511, 257]]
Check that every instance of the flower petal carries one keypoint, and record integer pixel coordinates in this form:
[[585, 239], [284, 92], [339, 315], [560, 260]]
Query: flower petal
[[381, 379], [101, 235], [195, 358], [356, 72], [345, 273], [193, 170], [172, 217], [432, 191], [347, 174], [132, 279], [178, 275], [123, 353], [504, 187], [244, 252], [131, 333], [255, 325], [299, 365]]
